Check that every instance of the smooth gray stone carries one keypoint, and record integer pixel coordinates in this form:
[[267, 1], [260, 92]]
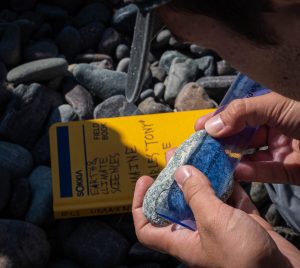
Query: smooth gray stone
[[103, 83], [92, 57], [124, 18], [162, 39], [109, 41], [123, 65], [91, 35], [97, 12], [216, 86], [51, 12], [105, 64], [193, 97], [10, 43], [22, 245], [158, 73], [159, 90], [122, 51], [69, 42], [146, 94], [5, 188], [199, 51], [94, 243], [38, 71], [149, 106], [22, 5], [224, 68], [167, 58], [16, 159], [40, 208], [115, 106], [81, 101], [28, 110], [19, 202], [40, 50], [63, 263], [182, 71], [207, 65], [63, 113]]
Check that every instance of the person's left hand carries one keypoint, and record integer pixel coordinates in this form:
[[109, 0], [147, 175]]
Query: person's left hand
[[228, 235]]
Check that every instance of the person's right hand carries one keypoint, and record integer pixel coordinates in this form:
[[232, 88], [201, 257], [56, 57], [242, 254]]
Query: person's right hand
[[279, 121]]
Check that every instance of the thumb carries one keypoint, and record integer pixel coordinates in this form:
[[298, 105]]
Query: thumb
[[200, 196], [272, 110]]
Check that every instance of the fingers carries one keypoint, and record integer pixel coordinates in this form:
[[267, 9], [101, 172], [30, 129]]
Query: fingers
[[170, 153], [272, 110], [200, 123]]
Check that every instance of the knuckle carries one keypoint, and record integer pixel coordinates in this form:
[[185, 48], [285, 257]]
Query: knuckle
[[194, 187], [236, 109]]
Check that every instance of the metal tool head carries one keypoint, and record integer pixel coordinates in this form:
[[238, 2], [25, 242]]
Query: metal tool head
[[143, 32]]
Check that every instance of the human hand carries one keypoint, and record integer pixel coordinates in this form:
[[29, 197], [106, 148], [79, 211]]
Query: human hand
[[226, 236], [279, 118]]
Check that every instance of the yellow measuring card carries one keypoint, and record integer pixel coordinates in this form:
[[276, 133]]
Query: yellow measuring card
[[96, 163]]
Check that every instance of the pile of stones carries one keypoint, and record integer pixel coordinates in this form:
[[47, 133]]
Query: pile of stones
[[66, 60]]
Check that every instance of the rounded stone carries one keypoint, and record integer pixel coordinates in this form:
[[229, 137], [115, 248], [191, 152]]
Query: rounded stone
[[159, 90], [158, 73], [10, 44], [109, 41], [199, 51], [92, 57], [115, 106], [124, 18], [51, 12], [162, 39], [37, 71], [207, 65], [193, 97], [40, 208], [91, 35], [5, 188], [167, 58], [105, 64], [122, 51], [101, 82], [69, 42], [62, 114], [123, 65], [40, 50], [224, 68], [26, 29], [16, 159], [93, 243], [149, 106], [146, 94], [20, 198], [32, 250]]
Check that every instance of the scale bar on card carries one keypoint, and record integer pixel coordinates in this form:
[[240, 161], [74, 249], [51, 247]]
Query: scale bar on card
[[64, 162]]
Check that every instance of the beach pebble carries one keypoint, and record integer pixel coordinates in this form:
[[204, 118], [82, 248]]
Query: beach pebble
[[92, 57], [114, 107], [123, 65], [167, 58], [123, 19], [207, 65], [91, 35], [16, 159], [159, 90], [122, 51], [110, 40], [38, 71], [22, 245], [150, 106], [193, 97], [224, 68], [51, 12], [103, 83], [40, 208], [40, 50]]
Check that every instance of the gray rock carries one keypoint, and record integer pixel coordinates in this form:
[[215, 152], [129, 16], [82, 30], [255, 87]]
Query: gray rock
[[216, 86], [50, 12], [182, 71], [88, 58], [69, 42], [63, 113], [110, 40], [272, 215], [167, 58], [103, 83], [40, 50], [28, 110], [124, 18], [258, 194], [22, 245], [16, 159], [20, 198], [10, 44], [97, 12], [159, 90], [22, 5], [140, 253], [146, 94], [224, 68], [199, 51], [123, 65], [115, 106], [55, 83], [5, 188], [81, 101], [207, 65], [91, 35], [122, 51], [105, 64], [193, 97], [63, 263], [101, 246], [40, 208], [149, 106], [158, 73], [162, 39], [38, 71]]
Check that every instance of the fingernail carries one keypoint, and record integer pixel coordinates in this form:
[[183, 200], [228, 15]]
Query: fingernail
[[182, 174], [214, 125]]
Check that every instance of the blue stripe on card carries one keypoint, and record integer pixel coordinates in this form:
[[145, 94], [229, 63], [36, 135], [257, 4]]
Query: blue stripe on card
[[64, 163]]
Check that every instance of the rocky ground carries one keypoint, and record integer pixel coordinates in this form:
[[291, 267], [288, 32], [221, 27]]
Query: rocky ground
[[66, 60]]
